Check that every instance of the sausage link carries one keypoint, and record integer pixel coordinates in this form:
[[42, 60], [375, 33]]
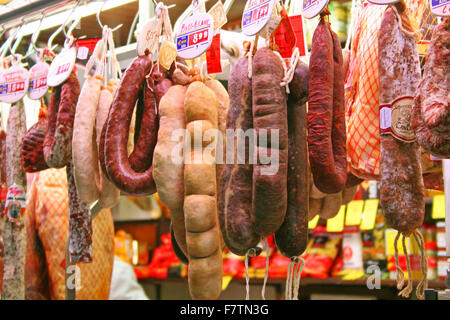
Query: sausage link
[[14, 233], [80, 224], [401, 188], [237, 221], [116, 136], [291, 238], [269, 115], [326, 126], [84, 148], [32, 150], [61, 115], [200, 202], [109, 194], [169, 174]]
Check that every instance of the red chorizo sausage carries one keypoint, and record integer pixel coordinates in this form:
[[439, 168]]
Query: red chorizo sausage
[[117, 163], [326, 129]]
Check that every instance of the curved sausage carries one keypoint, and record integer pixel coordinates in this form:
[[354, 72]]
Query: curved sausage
[[331, 205], [116, 136], [326, 125], [32, 150], [61, 116], [176, 248], [269, 118]]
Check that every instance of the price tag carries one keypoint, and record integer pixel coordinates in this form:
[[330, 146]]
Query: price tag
[[297, 25], [219, 15], [313, 223], [384, 1], [61, 67], [312, 8], [256, 15], [369, 214], [195, 36], [38, 81], [354, 211], [438, 209], [3, 192], [167, 54], [336, 224], [440, 7], [148, 39], [284, 36], [15, 203], [213, 63], [13, 84], [226, 281], [82, 53]]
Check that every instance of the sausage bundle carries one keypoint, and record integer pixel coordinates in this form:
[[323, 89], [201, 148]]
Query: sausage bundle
[[61, 115], [326, 120], [14, 232], [118, 166], [401, 188], [200, 202], [237, 221], [269, 118]]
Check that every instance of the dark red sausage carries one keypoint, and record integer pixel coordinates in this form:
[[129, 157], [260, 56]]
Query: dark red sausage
[[116, 136], [326, 130], [291, 238], [237, 221], [32, 151], [269, 113], [61, 115]]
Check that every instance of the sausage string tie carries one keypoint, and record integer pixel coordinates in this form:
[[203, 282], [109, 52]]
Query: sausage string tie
[[250, 253], [294, 274], [407, 290], [266, 274], [289, 72], [423, 284], [400, 274], [405, 24], [250, 51]]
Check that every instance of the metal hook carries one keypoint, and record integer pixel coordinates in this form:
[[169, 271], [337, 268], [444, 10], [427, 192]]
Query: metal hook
[[98, 17], [32, 47], [69, 18]]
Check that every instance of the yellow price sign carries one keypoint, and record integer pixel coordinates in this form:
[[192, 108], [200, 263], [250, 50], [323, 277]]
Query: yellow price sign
[[336, 224], [369, 214], [313, 223], [438, 209], [354, 211], [226, 281]]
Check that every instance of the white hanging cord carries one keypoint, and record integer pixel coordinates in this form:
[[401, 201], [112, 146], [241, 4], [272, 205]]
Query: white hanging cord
[[266, 274], [250, 253]]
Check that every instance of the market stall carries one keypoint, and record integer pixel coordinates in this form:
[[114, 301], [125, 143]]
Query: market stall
[[224, 150]]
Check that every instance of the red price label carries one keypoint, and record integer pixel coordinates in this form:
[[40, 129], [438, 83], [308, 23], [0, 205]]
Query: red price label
[[63, 68], [17, 86], [261, 12], [198, 37], [41, 82]]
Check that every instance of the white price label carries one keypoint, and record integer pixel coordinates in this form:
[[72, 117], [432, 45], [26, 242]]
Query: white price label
[[195, 36], [440, 7], [82, 53], [38, 81], [384, 1], [256, 15], [13, 84], [385, 118], [15, 203], [312, 8], [148, 38], [61, 67]]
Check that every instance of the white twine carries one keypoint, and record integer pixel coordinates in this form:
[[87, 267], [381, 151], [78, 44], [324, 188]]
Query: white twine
[[250, 58], [266, 275], [250, 253]]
